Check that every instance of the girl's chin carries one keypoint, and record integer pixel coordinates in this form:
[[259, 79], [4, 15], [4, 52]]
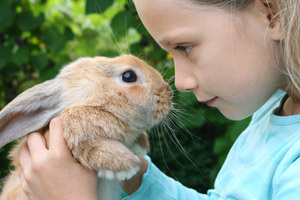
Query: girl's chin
[[235, 116]]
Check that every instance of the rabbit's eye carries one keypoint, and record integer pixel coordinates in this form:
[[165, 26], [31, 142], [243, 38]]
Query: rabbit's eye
[[129, 76]]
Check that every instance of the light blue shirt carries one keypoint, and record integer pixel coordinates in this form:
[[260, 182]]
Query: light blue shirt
[[263, 164]]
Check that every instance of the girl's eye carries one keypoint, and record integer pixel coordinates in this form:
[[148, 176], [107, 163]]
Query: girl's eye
[[129, 76], [186, 49]]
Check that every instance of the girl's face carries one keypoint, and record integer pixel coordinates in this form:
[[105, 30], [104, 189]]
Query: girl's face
[[226, 58]]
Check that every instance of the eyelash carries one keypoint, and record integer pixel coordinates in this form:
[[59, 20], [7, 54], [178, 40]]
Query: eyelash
[[186, 49]]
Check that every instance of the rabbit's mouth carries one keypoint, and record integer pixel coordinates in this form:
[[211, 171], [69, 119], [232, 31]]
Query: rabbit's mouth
[[161, 112], [163, 103], [151, 113]]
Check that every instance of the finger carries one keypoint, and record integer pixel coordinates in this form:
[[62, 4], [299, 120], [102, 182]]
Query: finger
[[24, 184], [57, 142], [36, 144], [24, 156]]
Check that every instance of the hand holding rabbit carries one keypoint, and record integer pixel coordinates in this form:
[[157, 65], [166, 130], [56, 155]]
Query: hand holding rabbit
[[53, 173]]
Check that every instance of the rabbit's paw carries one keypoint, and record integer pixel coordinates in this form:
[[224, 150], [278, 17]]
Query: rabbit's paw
[[119, 175]]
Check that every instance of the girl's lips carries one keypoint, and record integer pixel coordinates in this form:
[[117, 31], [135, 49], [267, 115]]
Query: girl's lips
[[211, 102]]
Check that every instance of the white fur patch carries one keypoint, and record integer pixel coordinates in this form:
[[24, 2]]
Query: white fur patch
[[138, 150], [120, 175]]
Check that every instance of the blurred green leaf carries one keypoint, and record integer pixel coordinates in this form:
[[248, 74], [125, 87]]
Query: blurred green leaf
[[55, 40], [121, 22], [21, 55], [221, 148], [39, 61], [214, 116], [8, 2], [97, 6], [6, 16], [26, 84], [141, 29], [68, 34], [50, 72], [5, 54], [160, 54], [135, 48], [89, 33], [27, 22]]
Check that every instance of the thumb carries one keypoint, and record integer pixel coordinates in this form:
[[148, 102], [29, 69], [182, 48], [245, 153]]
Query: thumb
[[57, 142]]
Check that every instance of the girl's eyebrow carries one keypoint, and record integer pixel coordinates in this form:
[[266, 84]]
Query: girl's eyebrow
[[169, 40], [172, 39]]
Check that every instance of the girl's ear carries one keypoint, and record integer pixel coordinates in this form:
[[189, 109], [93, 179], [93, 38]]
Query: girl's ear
[[30, 111], [272, 17]]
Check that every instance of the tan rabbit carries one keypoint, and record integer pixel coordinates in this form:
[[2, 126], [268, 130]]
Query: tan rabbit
[[105, 104]]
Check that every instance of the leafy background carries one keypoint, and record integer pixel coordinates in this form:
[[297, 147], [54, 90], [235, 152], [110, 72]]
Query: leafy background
[[38, 37]]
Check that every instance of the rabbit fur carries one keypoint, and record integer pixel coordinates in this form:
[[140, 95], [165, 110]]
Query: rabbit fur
[[104, 116]]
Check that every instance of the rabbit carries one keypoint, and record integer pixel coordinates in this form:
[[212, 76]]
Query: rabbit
[[105, 104]]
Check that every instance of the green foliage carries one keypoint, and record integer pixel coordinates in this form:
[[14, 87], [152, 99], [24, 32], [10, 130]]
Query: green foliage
[[38, 37], [97, 6]]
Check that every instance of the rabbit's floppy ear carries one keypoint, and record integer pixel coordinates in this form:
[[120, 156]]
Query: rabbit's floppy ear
[[30, 111]]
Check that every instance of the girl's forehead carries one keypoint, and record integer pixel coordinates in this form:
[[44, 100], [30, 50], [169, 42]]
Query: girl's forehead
[[174, 10], [175, 5], [158, 17]]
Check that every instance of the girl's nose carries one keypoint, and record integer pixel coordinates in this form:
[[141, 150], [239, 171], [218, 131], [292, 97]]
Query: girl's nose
[[185, 80]]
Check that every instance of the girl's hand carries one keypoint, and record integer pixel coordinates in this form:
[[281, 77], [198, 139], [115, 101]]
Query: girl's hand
[[51, 174]]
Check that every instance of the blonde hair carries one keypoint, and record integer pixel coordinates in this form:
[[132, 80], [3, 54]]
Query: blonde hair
[[287, 13]]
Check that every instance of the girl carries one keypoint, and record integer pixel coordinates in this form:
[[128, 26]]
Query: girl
[[240, 56]]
